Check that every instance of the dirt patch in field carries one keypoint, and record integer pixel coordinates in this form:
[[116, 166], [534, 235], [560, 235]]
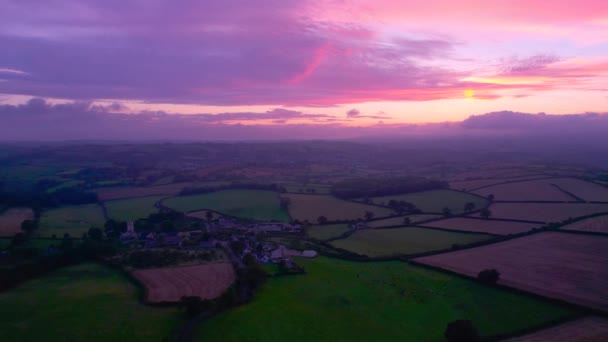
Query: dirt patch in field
[[589, 329], [11, 219], [170, 284], [570, 267]]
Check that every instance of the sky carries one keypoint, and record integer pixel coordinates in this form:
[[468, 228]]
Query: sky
[[331, 63]]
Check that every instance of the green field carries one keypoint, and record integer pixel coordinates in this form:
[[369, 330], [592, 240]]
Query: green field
[[86, 302], [380, 301], [131, 209], [327, 231], [74, 220], [66, 184], [435, 200], [398, 221], [248, 204], [403, 241], [310, 207]]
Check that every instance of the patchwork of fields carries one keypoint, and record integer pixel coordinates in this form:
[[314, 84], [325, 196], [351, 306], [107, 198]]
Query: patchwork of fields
[[597, 224], [535, 190], [339, 300], [436, 200], [545, 212], [404, 241], [570, 267], [483, 226], [310, 207]]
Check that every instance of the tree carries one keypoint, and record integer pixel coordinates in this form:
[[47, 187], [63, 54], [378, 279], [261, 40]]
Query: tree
[[95, 234], [489, 276], [249, 260], [369, 215], [447, 212], [322, 219], [469, 206], [18, 240], [461, 331], [407, 221], [485, 213], [491, 197], [29, 226], [194, 305]]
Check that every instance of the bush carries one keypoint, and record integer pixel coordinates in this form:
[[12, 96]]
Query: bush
[[461, 331], [488, 276]]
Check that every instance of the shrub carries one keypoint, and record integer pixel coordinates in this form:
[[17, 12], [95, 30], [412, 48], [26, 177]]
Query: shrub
[[461, 331], [488, 276]]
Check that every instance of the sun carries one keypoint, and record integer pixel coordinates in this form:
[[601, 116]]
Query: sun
[[469, 93]]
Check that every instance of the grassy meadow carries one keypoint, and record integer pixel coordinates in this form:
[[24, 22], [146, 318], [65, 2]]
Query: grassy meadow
[[87, 302], [131, 209], [248, 204], [403, 241], [435, 200], [74, 220], [378, 301], [326, 232]]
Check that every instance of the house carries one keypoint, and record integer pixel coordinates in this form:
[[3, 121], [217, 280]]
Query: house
[[130, 234]]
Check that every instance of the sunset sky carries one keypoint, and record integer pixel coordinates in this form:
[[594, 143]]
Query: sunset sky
[[349, 62]]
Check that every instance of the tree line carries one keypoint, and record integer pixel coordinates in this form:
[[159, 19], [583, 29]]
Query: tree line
[[372, 187]]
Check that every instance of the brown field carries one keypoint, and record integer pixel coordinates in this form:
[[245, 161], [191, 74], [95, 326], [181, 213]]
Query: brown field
[[106, 194], [483, 226], [474, 184], [170, 284], [11, 219], [545, 212], [569, 267], [589, 329], [585, 190], [535, 190], [598, 224]]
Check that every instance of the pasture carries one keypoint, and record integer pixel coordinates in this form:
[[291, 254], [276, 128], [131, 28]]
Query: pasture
[[328, 231], [588, 329], [484, 226], [131, 209], [338, 300], [310, 207], [11, 219], [545, 212], [74, 220], [598, 224], [107, 194], [480, 183], [435, 200], [170, 284], [87, 302], [398, 221], [403, 241], [535, 190], [260, 205], [570, 267], [586, 190]]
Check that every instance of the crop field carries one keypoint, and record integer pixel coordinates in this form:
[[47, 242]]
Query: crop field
[[545, 212], [588, 329], [398, 221], [11, 219], [74, 220], [598, 224], [404, 241], [479, 183], [107, 194], [484, 226], [310, 207], [570, 267], [131, 209], [87, 302], [248, 204], [375, 301], [327, 231], [170, 284], [585, 190], [435, 200], [535, 190]]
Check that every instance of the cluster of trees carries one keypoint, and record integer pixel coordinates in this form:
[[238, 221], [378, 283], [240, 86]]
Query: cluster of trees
[[489, 277], [164, 257], [371, 187], [233, 185], [38, 198]]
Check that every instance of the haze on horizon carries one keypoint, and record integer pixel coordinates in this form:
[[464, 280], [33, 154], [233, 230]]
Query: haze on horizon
[[309, 68]]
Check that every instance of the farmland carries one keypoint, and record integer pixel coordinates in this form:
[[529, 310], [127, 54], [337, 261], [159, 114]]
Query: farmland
[[246, 204], [107, 194], [403, 241], [329, 231], [376, 301], [435, 200], [310, 207], [82, 303], [585, 190], [170, 284], [597, 224], [398, 221], [535, 190], [570, 267], [588, 329], [484, 226], [480, 183], [131, 209], [74, 220], [545, 212], [11, 219]]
